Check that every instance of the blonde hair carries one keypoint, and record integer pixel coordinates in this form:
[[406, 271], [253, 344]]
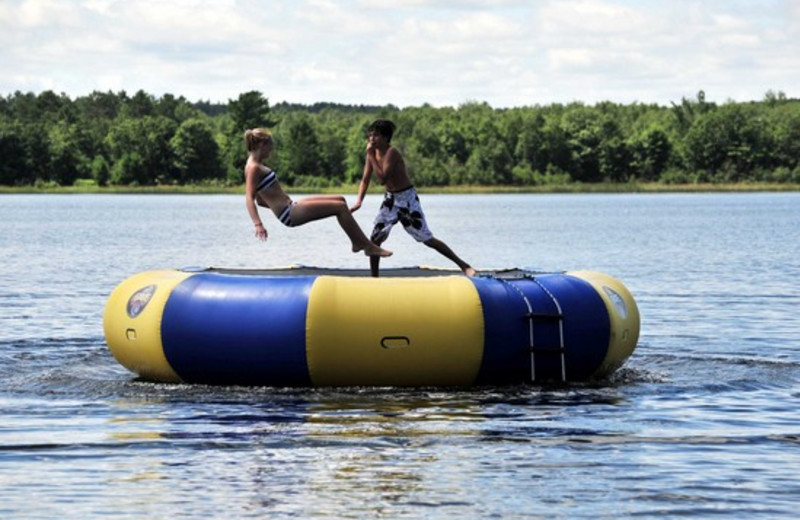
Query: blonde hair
[[254, 137]]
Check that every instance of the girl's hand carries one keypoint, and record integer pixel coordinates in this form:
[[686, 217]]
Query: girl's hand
[[261, 232]]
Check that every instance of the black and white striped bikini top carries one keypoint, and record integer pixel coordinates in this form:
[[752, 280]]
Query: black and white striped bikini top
[[268, 180]]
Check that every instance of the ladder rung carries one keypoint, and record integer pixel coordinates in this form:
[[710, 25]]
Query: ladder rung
[[544, 316], [545, 350], [531, 316]]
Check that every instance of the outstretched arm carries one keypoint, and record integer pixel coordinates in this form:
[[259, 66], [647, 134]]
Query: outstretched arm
[[250, 176], [364, 186]]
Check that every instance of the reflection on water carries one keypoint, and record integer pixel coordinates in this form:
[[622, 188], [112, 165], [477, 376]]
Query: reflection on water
[[387, 451]]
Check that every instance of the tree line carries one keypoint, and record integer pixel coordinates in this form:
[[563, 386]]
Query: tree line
[[113, 138]]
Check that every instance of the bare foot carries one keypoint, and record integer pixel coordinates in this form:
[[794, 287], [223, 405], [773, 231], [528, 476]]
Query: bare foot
[[373, 250], [469, 271]]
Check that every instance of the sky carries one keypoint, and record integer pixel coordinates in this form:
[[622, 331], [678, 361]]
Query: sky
[[506, 53]]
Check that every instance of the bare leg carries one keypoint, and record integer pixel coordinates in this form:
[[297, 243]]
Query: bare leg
[[375, 261], [322, 206], [443, 248]]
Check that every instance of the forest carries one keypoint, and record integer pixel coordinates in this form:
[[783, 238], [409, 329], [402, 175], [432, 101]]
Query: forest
[[116, 139]]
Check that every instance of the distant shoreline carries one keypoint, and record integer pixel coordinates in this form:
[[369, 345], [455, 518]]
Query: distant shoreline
[[352, 189]]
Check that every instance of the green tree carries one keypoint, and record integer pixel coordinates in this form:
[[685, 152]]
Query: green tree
[[772, 98], [196, 152], [421, 139], [176, 108], [96, 113], [141, 104], [140, 152], [650, 153], [556, 149], [25, 152], [686, 112], [52, 107], [728, 142], [141, 139], [531, 147], [584, 130], [99, 106], [101, 173], [356, 149], [67, 158], [490, 160], [130, 169], [14, 157], [454, 143], [615, 159], [784, 122], [250, 110], [24, 107], [332, 132], [297, 147]]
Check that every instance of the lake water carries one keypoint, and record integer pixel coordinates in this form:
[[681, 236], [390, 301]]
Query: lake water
[[702, 421]]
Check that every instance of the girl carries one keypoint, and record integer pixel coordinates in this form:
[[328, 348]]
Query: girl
[[262, 188]]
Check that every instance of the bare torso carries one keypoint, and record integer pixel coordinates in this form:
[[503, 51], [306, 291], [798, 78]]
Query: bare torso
[[273, 197], [394, 168]]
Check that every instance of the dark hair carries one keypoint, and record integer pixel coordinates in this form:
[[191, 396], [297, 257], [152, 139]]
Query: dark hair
[[383, 127]]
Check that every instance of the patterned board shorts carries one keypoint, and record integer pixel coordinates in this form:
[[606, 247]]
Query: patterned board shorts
[[401, 206]]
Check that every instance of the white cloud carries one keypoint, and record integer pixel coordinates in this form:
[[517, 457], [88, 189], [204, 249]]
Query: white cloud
[[506, 52], [575, 18]]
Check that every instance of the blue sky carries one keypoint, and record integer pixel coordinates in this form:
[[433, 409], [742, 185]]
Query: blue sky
[[441, 52]]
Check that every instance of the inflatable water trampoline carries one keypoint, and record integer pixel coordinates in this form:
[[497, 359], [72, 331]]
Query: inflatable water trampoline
[[304, 326]]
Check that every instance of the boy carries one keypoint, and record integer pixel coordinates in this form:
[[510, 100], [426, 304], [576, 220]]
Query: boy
[[400, 203]]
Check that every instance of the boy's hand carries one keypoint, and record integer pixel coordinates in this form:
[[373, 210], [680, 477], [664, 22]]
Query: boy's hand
[[355, 206]]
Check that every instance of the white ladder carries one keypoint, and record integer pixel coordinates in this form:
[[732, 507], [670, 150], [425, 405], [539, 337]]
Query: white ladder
[[531, 317]]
